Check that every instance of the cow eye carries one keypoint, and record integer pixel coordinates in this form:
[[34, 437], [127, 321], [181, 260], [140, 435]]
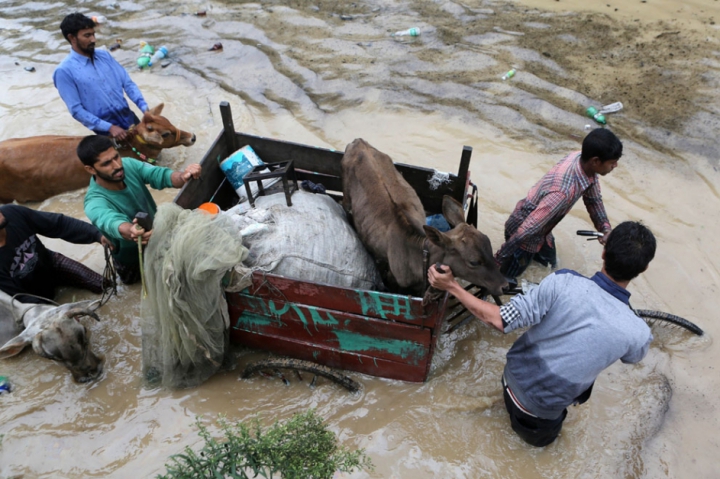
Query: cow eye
[[474, 264], [166, 134]]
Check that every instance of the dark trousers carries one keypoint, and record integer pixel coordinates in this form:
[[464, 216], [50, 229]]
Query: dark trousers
[[128, 274], [515, 265], [69, 272], [533, 430]]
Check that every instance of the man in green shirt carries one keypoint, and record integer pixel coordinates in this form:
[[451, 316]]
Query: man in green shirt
[[118, 191]]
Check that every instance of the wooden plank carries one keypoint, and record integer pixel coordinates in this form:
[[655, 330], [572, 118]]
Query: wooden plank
[[319, 160], [464, 167], [196, 192], [286, 346], [406, 309], [419, 179], [378, 338], [330, 182], [228, 127]]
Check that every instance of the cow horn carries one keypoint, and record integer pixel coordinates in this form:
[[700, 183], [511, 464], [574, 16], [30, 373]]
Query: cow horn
[[79, 312]]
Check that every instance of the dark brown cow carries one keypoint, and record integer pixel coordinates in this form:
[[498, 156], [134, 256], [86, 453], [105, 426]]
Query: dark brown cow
[[390, 220], [36, 168]]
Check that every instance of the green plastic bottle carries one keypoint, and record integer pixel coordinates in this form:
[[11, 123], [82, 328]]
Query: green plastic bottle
[[146, 51], [593, 113]]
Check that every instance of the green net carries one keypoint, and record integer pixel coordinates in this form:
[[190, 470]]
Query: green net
[[185, 324]]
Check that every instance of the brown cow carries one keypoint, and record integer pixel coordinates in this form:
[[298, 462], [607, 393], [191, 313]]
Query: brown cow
[[36, 168], [390, 220]]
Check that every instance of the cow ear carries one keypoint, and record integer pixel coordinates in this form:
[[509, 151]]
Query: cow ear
[[453, 211], [436, 236], [13, 347], [156, 110]]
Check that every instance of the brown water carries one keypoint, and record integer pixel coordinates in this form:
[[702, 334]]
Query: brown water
[[326, 72]]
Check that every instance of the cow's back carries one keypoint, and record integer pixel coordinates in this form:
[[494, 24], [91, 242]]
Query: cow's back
[[386, 211], [35, 168]]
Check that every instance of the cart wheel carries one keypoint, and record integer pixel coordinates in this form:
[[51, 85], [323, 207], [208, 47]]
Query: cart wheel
[[651, 317], [287, 368]]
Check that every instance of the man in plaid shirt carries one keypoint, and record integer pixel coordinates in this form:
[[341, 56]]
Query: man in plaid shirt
[[528, 231]]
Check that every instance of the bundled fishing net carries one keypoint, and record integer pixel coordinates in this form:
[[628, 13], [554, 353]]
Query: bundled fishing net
[[185, 324], [310, 240]]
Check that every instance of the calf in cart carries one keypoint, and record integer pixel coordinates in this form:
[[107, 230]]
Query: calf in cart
[[390, 220]]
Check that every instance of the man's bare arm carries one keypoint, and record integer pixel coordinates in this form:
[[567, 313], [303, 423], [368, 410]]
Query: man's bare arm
[[484, 311]]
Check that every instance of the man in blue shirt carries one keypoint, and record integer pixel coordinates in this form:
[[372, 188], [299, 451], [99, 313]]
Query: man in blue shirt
[[91, 82], [578, 326]]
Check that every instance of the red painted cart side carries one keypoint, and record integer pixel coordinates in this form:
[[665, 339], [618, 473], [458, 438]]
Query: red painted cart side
[[375, 333]]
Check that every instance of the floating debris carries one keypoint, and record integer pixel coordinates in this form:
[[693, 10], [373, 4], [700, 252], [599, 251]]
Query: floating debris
[[165, 64], [217, 46], [201, 13], [29, 69], [114, 47]]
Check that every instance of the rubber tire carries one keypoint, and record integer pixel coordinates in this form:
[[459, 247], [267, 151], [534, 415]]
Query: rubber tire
[[670, 318], [302, 365]]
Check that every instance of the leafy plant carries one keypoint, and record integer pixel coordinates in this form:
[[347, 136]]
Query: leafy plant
[[300, 448]]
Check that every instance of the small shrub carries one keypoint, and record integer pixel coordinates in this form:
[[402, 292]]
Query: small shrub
[[300, 448]]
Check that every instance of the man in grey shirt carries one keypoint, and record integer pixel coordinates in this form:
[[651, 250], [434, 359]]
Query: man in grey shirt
[[578, 326]]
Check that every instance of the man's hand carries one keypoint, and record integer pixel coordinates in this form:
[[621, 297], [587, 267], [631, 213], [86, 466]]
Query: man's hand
[[606, 234], [192, 171], [486, 312], [180, 178], [118, 133], [131, 232], [106, 242], [442, 281]]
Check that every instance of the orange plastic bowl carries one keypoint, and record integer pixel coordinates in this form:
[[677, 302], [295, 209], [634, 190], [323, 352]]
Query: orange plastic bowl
[[211, 208]]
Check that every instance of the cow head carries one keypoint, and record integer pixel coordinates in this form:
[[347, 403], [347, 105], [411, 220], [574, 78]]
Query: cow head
[[57, 334], [466, 250], [155, 132]]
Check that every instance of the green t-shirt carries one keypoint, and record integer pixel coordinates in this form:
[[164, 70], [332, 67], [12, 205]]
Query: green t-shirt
[[108, 209]]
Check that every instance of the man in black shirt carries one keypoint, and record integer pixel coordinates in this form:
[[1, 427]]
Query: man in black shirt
[[27, 267]]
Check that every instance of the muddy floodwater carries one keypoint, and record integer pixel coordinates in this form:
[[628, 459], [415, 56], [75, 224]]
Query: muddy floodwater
[[325, 72]]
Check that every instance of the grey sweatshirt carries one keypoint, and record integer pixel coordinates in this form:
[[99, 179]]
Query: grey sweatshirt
[[579, 326]]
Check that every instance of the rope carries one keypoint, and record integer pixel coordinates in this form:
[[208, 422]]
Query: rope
[[109, 283], [109, 280], [142, 269], [19, 321]]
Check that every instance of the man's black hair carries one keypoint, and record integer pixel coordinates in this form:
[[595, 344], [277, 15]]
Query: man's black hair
[[629, 250], [601, 143], [91, 146], [75, 22]]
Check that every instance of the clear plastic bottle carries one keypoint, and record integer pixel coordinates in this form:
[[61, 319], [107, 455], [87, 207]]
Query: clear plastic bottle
[[98, 19], [159, 54], [509, 74], [412, 32]]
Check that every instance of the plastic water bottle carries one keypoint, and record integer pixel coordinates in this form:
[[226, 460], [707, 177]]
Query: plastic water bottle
[[98, 19], [509, 74], [159, 54], [593, 113], [4, 385], [412, 32], [146, 52]]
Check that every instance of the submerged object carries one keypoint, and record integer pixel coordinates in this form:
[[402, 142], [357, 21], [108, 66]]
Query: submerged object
[[410, 32]]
